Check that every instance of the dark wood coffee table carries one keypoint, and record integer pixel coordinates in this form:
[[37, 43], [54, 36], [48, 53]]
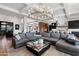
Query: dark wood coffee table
[[36, 51]]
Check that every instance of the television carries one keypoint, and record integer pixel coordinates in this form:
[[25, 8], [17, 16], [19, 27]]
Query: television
[[73, 24]]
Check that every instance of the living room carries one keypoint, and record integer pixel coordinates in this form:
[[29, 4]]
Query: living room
[[39, 29]]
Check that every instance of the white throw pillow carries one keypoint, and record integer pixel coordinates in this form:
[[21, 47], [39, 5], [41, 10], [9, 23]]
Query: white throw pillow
[[71, 36], [18, 37]]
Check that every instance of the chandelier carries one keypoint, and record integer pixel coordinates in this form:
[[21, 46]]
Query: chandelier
[[39, 12]]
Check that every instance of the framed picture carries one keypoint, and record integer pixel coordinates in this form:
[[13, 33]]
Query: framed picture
[[17, 26]]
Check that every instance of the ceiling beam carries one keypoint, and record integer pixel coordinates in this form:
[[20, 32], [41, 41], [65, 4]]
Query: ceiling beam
[[75, 12], [10, 9], [64, 10], [24, 6]]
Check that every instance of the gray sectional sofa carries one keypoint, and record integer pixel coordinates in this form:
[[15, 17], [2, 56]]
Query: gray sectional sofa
[[55, 38], [66, 47], [58, 39], [20, 40], [51, 37]]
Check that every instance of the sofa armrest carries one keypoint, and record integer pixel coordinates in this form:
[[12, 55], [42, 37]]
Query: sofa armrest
[[67, 46]]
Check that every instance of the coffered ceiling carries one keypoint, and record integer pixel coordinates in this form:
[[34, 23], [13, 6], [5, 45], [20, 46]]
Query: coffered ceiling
[[42, 11], [39, 11]]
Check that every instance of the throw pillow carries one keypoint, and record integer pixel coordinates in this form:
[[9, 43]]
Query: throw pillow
[[76, 43], [63, 36], [71, 36], [72, 39], [18, 37]]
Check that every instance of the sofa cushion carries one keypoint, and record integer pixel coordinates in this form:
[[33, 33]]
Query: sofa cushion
[[63, 36], [72, 39], [55, 35], [46, 38], [22, 35], [50, 39], [52, 34], [44, 34], [28, 34], [65, 45], [32, 38], [17, 37], [54, 39], [74, 42], [25, 40], [19, 42]]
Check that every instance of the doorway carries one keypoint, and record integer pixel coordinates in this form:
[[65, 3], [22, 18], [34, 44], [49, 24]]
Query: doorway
[[43, 27], [6, 28]]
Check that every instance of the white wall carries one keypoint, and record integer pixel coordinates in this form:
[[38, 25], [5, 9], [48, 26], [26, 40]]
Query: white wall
[[73, 13], [27, 22], [15, 20], [61, 21]]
